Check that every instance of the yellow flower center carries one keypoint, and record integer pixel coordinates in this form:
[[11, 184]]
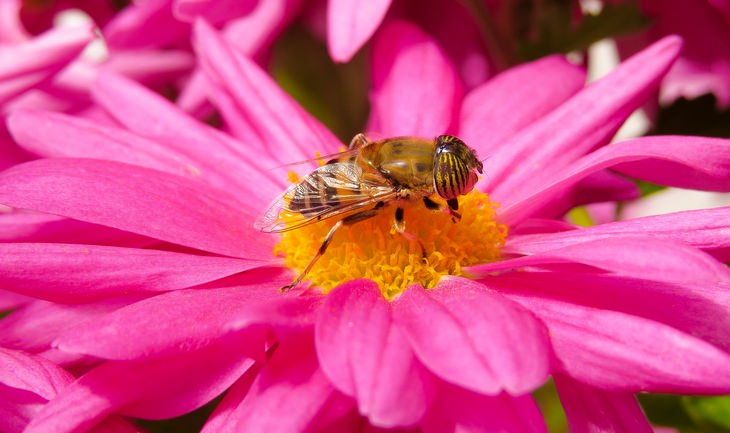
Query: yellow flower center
[[372, 249]]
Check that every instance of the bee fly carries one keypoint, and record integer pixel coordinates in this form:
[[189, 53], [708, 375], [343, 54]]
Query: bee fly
[[362, 181]]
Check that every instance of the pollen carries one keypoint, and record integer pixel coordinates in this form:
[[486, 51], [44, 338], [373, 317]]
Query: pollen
[[372, 249]]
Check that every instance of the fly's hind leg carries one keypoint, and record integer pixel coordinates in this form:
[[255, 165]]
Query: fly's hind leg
[[399, 224], [352, 219]]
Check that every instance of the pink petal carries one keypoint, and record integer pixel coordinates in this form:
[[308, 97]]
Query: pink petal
[[514, 99], [33, 374], [149, 24], [135, 199], [26, 384], [459, 410], [254, 33], [599, 187], [592, 410], [367, 356], [705, 305], [618, 351], [223, 418], [29, 382], [151, 67], [12, 29], [640, 257], [154, 389], [11, 300], [284, 131], [215, 12], [185, 320], [221, 160], [66, 136], [79, 273], [289, 394], [704, 228], [416, 90], [34, 227], [23, 66], [465, 333], [585, 121], [686, 162], [351, 23], [33, 327]]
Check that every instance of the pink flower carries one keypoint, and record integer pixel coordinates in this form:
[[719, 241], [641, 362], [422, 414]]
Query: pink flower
[[704, 65], [153, 284]]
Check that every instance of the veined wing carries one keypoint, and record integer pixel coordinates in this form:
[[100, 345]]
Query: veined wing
[[335, 189]]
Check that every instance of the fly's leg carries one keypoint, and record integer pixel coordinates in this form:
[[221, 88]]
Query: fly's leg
[[352, 219], [358, 141], [399, 224], [452, 208]]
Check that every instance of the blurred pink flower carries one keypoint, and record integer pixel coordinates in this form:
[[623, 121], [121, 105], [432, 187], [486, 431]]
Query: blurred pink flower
[[704, 64], [152, 283]]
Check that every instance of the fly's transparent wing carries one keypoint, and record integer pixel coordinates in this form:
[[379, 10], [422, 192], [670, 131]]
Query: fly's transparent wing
[[335, 189]]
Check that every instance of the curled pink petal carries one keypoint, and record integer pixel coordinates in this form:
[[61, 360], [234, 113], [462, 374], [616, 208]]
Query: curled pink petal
[[78, 273], [350, 23], [31, 373], [705, 305], [622, 352], [464, 332], [153, 389], [568, 132], [194, 215], [592, 410], [391, 387], [640, 257], [459, 410], [688, 162], [701, 228], [416, 90], [511, 101]]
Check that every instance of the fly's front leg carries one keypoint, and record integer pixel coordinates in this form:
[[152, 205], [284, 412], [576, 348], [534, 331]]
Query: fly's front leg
[[452, 208], [358, 141], [352, 219], [399, 225]]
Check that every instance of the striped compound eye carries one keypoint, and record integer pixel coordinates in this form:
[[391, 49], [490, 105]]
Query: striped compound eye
[[454, 167]]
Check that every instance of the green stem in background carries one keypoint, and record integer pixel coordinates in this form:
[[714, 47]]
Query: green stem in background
[[500, 47]]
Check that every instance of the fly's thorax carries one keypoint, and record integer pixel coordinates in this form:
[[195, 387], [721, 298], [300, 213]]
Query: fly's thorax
[[405, 161]]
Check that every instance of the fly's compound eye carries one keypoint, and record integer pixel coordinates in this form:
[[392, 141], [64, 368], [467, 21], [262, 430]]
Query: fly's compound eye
[[454, 167]]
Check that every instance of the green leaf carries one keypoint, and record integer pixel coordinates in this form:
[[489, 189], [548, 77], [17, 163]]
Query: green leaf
[[558, 34], [710, 412], [334, 93], [699, 116]]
